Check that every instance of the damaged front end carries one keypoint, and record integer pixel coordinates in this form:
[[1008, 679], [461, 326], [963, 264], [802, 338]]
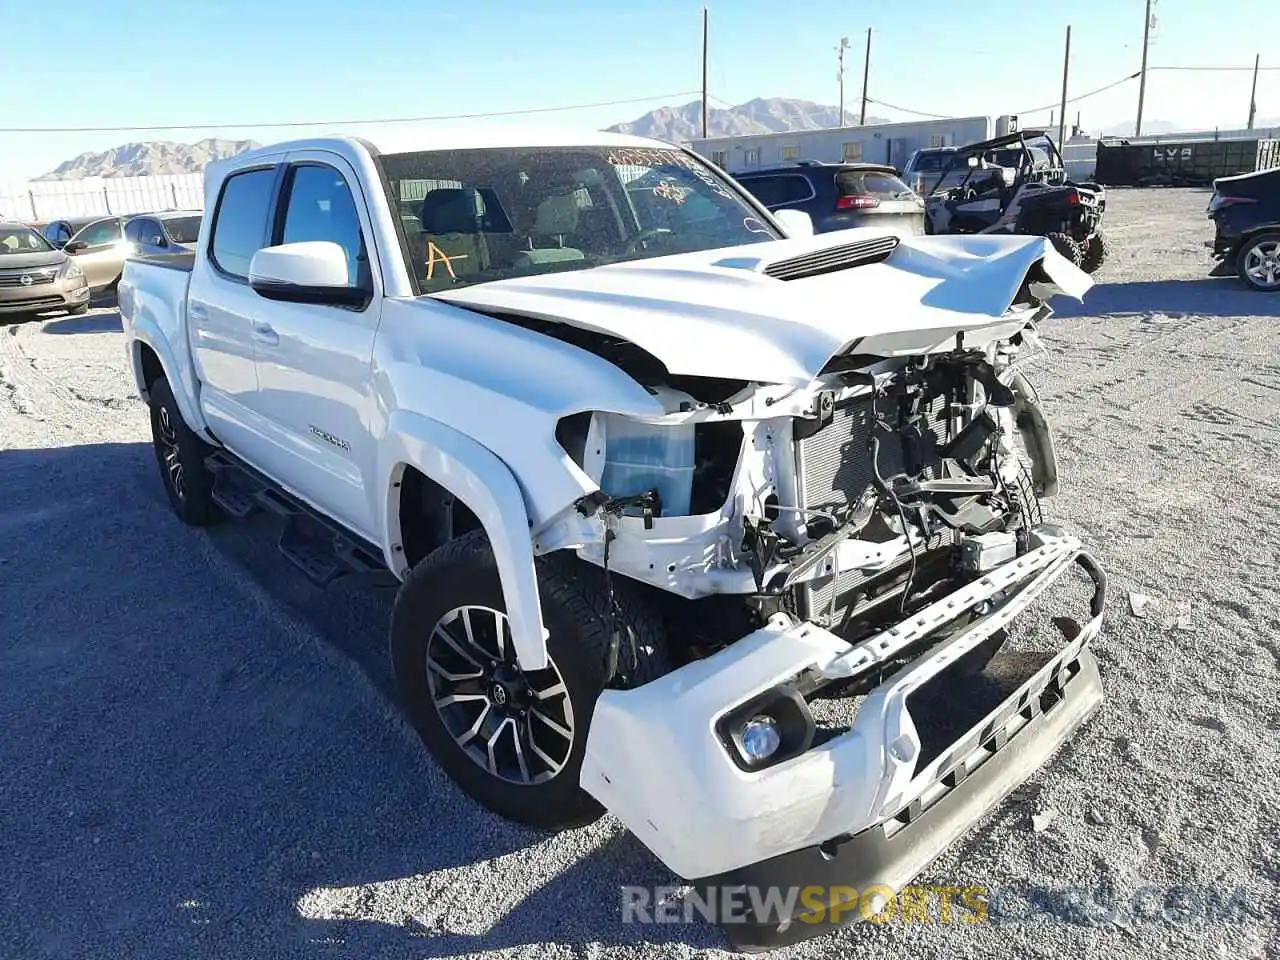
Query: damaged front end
[[871, 805], [870, 538]]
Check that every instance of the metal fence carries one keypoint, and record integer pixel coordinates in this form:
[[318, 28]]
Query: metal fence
[[101, 196]]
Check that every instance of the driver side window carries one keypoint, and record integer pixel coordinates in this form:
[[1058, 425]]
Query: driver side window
[[321, 207]]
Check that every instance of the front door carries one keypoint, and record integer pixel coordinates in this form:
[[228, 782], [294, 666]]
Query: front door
[[103, 252], [314, 388]]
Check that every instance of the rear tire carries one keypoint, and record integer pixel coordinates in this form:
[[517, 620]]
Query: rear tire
[[450, 664], [1094, 254], [1067, 247], [1258, 263], [188, 482]]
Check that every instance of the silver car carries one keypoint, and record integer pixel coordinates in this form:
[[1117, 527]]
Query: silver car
[[174, 231], [101, 247]]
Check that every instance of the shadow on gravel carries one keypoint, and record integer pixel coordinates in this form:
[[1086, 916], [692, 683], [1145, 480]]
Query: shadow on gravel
[[89, 323], [1208, 297], [197, 740]]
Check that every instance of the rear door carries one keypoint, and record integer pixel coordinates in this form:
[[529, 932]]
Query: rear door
[[314, 386], [222, 310]]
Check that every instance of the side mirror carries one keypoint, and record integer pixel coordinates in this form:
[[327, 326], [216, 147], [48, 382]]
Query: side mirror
[[74, 246], [313, 271], [795, 223]]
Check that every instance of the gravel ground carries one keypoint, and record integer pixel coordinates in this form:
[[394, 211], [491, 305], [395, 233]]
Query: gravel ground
[[203, 755]]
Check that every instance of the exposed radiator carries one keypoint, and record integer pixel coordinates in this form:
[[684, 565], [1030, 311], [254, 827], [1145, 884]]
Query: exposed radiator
[[834, 469]]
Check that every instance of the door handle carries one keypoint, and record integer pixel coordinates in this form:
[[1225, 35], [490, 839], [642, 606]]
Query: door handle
[[197, 312], [263, 333]]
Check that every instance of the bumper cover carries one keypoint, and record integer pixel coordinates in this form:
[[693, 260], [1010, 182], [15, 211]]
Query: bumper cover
[[654, 760], [885, 858]]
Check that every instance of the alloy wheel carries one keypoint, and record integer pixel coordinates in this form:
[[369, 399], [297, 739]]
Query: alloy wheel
[[1262, 263], [170, 453], [517, 726]]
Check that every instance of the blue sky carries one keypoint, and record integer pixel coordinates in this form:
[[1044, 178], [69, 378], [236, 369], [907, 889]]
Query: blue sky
[[158, 62]]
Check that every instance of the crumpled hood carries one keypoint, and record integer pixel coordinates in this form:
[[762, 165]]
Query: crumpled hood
[[716, 313]]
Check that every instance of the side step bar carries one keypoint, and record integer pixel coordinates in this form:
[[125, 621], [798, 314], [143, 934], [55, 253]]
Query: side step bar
[[321, 549]]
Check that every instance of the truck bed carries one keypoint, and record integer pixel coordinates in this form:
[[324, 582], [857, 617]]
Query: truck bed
[[173, 261]]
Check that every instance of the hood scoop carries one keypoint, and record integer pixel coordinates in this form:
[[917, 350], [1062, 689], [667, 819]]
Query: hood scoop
[[831, 259]]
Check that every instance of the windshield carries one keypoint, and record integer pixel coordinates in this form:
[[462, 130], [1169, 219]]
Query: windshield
[[474, 216], [20, 239], [182, 229]]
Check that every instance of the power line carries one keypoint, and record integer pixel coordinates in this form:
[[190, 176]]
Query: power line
[[918, 113], [1083, 96], [1211, 68], [347, 123]]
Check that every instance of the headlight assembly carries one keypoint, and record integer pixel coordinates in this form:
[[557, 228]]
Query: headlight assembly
[[71, 270]]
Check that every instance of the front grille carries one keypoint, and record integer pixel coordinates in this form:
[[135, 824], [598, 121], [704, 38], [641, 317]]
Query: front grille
[[832, 259], [33, 302], [834, 468], [35, 277]]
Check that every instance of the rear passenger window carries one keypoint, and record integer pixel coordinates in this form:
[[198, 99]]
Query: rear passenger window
[[321, 208], [775, 191], [240, 228]]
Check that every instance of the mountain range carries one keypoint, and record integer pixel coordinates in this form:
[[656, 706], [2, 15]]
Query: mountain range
[[148, 159], [761, 115], [672, 124]]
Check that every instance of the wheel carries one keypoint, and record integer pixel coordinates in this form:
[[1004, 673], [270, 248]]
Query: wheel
[[1258, 262], [1066, 246], [181, 455], [1095, 252], [512, 740], [78, 310]]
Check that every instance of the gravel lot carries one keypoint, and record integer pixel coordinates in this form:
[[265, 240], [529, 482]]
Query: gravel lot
[[202, 754]]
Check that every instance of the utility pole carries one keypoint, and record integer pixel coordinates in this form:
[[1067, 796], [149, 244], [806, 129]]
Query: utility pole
[[704, 72], [1253, 94], [1142, 82], [866, 74], [840, 49], [1062, 117]]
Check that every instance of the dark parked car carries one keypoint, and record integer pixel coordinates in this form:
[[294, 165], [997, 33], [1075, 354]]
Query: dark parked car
[[35, 277], [838, 196], [1246, 212]]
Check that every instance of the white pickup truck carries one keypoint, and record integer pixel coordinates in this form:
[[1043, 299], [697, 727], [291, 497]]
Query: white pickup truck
[[693, 516]]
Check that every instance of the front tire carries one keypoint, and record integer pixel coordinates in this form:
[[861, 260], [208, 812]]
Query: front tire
[[188, 482], [513, 741], [1258, 263], [78, 311]]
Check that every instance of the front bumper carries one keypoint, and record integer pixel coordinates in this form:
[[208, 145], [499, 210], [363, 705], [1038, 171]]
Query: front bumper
[[854, 810], [59, 294]]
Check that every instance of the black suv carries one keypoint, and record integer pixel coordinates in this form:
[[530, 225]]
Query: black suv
[[1245, 210], [837, 196]]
